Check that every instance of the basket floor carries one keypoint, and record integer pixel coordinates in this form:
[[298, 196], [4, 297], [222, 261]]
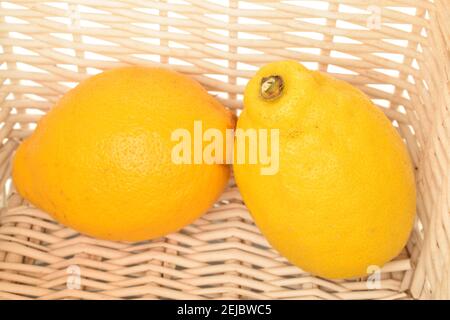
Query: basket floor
[[220, 256]]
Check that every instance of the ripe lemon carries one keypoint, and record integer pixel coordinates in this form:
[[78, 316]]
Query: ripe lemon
[[100, 160], [343, 199]]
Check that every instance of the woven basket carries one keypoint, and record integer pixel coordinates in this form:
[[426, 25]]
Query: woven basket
[[395, 51]]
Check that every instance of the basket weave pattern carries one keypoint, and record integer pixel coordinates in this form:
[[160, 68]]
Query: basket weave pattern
[[401, 60]]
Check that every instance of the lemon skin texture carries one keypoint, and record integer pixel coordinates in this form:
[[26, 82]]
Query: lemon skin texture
[[343, 199], [100, 160]]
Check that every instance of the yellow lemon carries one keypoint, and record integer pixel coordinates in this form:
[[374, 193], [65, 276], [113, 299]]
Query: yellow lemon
[[343, 199], [100, 161]]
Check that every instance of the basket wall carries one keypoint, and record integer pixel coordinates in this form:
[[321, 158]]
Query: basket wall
[[395, 51]]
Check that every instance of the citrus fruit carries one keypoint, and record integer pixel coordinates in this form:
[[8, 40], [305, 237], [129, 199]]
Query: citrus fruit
[[343, 198], [100, 161]]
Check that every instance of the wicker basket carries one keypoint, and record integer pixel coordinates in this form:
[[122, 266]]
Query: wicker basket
[[395, 51]]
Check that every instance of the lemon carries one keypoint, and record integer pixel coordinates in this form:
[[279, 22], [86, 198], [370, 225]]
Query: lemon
[[343, 199], [100, 160]]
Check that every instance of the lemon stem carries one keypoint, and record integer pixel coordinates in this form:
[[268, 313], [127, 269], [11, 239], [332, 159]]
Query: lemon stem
[[271, 87]]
